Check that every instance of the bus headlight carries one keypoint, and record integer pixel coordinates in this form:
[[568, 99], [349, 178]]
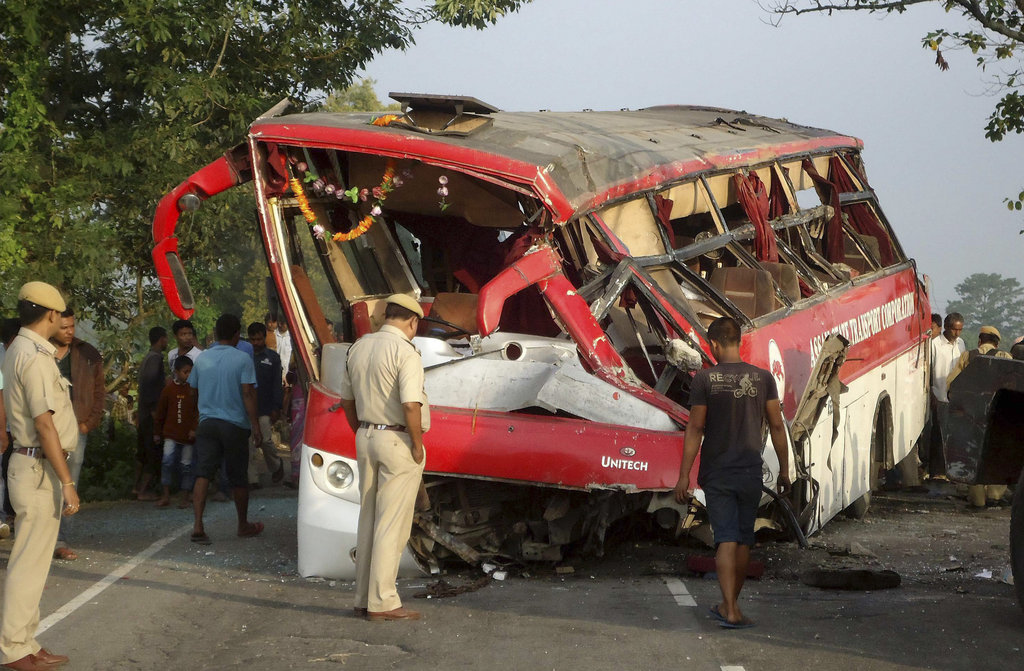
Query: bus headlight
[[339, 475]]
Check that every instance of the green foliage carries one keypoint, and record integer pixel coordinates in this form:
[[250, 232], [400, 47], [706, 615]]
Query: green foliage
[[996, 38], [989, 299], [359, 97], [109, 468], [106, 106]]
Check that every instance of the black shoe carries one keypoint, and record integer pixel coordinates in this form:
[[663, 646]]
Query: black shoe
[[278, 475], [255, 485]]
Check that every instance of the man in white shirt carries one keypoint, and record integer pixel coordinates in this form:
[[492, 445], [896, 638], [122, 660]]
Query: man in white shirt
[[185, 335], [283, 339], [946, 350]]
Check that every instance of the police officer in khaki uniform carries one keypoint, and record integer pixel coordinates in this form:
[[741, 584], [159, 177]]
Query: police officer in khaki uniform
[[44, 428], [382, 394]]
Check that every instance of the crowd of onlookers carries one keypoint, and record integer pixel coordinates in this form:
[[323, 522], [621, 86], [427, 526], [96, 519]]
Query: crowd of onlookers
[[164, 413]]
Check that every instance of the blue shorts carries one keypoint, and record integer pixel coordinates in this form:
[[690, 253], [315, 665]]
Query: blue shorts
[[732, 502]]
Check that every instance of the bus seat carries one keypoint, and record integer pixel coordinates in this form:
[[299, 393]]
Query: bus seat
[[324, 332], [785, 277], [459, 309], [750, 289], [368, 315], [852, 256]]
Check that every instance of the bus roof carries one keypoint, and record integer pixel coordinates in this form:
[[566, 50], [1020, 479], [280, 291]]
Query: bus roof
[[578, 160]]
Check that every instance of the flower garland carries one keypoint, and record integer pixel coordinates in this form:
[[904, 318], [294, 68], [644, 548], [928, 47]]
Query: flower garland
[[300, 195], [389, 182]]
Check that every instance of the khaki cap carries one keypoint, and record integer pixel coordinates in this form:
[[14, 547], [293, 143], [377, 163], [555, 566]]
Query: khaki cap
[[990, 330], [407, 302], [42, 294]]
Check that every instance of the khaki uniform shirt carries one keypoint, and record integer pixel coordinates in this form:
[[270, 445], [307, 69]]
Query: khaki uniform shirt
[[384, 370], [34, 386], [965, 359]]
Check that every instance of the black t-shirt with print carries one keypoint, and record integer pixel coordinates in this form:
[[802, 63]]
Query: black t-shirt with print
[[735, 395]]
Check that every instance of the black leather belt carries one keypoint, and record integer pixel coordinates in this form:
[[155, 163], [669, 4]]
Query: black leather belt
[[382, 427]]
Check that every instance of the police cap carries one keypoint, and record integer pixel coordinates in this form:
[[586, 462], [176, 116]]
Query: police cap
[[407, 302], [990, 330], [42, 294]]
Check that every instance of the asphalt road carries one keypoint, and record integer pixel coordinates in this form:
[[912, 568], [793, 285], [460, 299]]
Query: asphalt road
[[141, 596]]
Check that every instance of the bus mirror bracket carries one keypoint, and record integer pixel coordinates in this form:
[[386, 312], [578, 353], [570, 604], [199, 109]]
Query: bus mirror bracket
[[231, 169]]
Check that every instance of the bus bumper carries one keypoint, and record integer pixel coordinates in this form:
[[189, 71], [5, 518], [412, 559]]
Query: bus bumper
[[328, 520]]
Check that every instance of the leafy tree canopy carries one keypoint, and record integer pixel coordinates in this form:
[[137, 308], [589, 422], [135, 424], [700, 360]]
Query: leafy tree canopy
[[360, 97], [989, 299], [105, 106], [995, 38]]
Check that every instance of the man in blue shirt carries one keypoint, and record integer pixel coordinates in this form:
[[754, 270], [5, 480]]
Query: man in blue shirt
[[269, 398], [225, 378]]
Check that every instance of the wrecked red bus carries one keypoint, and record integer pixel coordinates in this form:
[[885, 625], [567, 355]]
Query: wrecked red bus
[[569, 264]]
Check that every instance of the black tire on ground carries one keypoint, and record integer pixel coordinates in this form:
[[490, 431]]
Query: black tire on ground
[[1017, 539]]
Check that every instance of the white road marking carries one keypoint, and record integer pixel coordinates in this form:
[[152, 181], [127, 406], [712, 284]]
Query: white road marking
[[115, 575], [732, 668], [679, 592]]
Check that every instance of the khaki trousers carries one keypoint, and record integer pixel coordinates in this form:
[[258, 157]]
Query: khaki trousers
[[977, 494], [389, 480], [268, 447], [37, 500]]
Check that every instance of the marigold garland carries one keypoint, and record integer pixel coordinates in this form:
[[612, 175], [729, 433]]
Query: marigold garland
[[384, 120], [364, 226], [300, 195], [389, 182]]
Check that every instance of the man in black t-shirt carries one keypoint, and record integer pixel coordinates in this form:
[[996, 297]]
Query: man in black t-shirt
[[730, 403]]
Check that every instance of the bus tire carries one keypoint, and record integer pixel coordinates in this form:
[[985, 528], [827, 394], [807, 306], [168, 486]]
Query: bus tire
[[1017, 539], [880, 433]]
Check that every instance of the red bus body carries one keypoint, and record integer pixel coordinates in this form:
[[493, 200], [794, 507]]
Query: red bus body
[[559, 377]]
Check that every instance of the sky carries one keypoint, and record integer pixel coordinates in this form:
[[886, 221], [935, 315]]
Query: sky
[[940, 182]]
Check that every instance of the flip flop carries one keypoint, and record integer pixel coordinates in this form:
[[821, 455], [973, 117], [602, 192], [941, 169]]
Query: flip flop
[[254, 530], [202, 539], [717, 615], [742, 624]]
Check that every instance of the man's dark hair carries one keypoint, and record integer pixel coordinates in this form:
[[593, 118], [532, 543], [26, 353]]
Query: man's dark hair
[[69, 312], [228, 326], [182, 361], [1017, 351], [8, 329], [156, 333], [395, 311], [257, 328], [988, 338], [937, 319], [725, 331], [182, 324], [951, 319], [29, 313], [271, 317]]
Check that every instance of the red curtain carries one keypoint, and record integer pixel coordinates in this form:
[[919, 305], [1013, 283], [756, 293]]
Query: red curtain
[[862, 218], [834, 229], [664, 207], [753, 196]]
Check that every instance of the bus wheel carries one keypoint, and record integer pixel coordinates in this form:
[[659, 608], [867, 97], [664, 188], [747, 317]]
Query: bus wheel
[[1017, 539], [879, 437]]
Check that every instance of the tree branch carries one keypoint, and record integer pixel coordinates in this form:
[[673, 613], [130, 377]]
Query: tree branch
[[973, 8]]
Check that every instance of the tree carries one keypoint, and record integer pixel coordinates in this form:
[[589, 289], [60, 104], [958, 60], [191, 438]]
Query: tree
[[996, 38], [105, 106], [989, 299], [361, 97]]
